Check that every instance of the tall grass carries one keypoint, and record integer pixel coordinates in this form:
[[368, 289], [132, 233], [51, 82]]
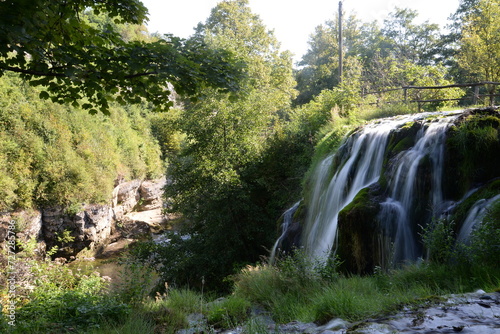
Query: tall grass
[[354, 297], [294, 289]]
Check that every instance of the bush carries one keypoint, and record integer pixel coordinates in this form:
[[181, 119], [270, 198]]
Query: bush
[[228, 312], [75, 301], [59, 155], [485, 239], [438, 238]]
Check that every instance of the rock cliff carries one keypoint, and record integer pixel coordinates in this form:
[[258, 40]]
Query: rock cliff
[[134, 211]]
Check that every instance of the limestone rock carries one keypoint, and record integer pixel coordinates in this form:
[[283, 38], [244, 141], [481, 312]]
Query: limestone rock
[[88, 228], [151, 195]]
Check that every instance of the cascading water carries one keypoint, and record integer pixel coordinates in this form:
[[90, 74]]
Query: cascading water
[[475, 216], [358, 164], [397, 210], [287, 221]]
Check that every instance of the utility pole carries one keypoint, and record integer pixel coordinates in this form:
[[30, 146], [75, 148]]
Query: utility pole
[[340, 42]]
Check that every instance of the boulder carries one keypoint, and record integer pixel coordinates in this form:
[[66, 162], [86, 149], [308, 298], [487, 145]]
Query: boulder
[[151, 193]]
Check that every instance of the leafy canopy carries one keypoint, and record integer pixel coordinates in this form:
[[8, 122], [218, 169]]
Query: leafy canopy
[[52, 45], [480, 43]]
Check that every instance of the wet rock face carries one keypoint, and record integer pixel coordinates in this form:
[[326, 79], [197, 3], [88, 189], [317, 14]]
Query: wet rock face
[[359, 232], [472, 152]]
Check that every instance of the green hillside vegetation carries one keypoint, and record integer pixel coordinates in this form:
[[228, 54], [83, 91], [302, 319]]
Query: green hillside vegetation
[[237, 149], [52, 154]]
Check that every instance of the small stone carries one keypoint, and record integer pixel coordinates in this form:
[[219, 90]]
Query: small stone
[[484, 305]]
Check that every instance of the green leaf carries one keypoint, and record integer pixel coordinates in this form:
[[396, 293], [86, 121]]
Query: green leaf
[[44, 95]]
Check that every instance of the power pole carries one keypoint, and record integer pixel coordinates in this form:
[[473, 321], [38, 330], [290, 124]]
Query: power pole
[[340, 43]]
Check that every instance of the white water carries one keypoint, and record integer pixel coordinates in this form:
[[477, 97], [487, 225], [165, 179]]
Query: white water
[[287, 221], [475, 216], [361, 168], [396, 213]]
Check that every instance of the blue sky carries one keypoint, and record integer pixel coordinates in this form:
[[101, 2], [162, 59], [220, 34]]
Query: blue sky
[[292, 21]]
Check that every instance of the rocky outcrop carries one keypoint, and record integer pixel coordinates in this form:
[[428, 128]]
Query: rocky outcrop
[[361, 247], [72, 233], [27, 225], [135, 210]]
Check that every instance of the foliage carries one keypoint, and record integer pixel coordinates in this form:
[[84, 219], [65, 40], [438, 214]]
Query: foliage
[[52, 298], [228, 312], [164, 128], [394, 55], [406, 40], [484, 240], [475, 137], [480, 42], [386, 110], [217, 184], [135, 282], [319, 66], [438, 238], [60, 155], [355, 298], [52, 45]]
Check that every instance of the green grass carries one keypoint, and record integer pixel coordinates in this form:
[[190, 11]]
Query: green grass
[[355, 298], [296, 288], [289, 291]]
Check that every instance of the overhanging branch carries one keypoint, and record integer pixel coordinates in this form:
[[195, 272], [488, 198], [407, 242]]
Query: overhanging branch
[[59, 75]]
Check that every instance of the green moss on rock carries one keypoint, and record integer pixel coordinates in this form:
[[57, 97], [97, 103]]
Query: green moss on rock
[[358, 229], [472, 153]]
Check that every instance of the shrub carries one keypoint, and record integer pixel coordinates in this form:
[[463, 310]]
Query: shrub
[[485, 239], [59, 155], [228, 312], [438, 238]]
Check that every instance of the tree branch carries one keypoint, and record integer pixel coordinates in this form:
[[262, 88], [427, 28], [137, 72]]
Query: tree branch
[[55, 74], [20, 70]]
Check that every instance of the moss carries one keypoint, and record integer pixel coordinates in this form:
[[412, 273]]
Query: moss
[[408, 125], [403, 145], [357, 242], [489, 190], [361, 201], [472, 153]]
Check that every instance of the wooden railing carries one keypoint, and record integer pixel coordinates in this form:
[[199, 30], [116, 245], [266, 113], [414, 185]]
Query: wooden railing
[[474, 98]]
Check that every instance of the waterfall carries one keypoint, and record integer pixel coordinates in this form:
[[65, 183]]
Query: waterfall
[[397, 210], [287, 221], [358, 164], [362, 167], [475, 216]]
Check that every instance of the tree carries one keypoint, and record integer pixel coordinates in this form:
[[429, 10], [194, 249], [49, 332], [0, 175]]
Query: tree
[[409, 41], [399, 40], [320, 63], [215, 182], [51, 45], [480, 43]]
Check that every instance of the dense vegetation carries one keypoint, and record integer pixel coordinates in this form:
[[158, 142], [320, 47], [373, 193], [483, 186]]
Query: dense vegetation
[[52, 154], [237, 149], [56, 299], [78, 60]]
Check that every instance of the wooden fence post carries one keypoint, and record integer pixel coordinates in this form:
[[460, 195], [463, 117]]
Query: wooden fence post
[[476, 95]]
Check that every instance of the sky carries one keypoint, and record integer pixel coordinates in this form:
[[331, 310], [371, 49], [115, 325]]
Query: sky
[[292, 21]]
